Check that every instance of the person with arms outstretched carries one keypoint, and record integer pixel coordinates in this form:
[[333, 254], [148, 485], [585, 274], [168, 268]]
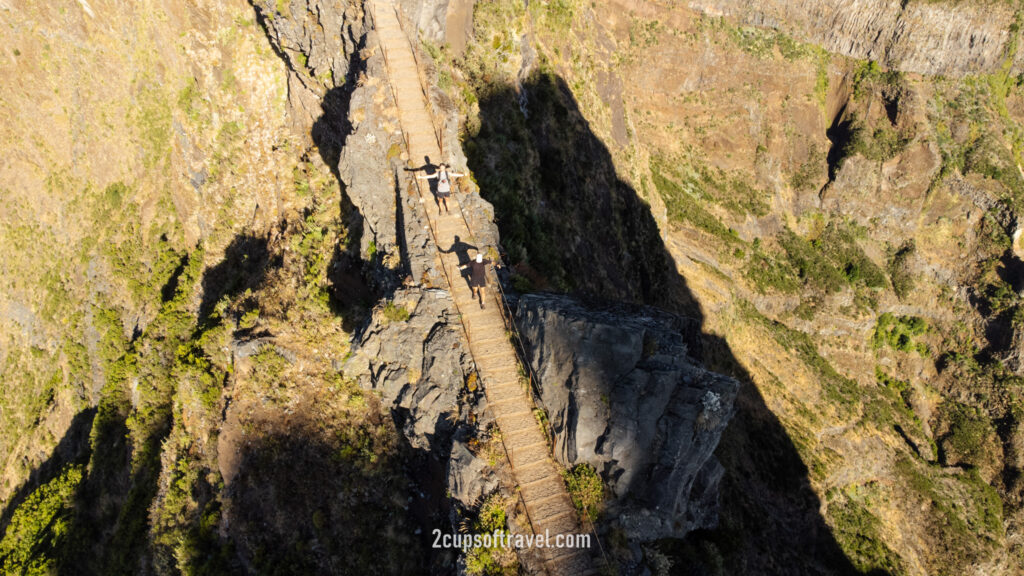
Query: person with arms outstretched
[[444, 183]]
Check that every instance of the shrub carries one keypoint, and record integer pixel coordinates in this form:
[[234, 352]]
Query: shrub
[[768, 273], [964, 513], [39, 526], [806, 175], [898, 333], [879, 145], [492, 560], [858, 533], [900, 274], [810, 263], [839, 390], [970, 435], [683, 203], [586, 490], [394, 313]]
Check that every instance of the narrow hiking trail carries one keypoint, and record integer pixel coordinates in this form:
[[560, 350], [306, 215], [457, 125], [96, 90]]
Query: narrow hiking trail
[[548, 506]]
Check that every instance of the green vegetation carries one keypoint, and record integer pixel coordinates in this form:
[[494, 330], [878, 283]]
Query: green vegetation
[[675, 177], [586, 490], [840, 391], [767, 272], [971, 438], [187, 522], [828, 263], [899, 332], [859, 532], [394, 313], [869, 76], [557, 14], [190, 101], [998, 295], [878, 144], [684, 205], [900, 272], [893, 408], [989, 141], [807, 174], [312, 247], [644, 33], [40, 526], [152, 116], [491, 560], [761, 42], [964, 513], [901, 388]]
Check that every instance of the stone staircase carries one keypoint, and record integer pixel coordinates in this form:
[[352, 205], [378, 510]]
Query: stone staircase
[[543, 492]]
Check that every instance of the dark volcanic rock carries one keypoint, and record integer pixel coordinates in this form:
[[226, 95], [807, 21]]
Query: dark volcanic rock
[[416, 364], [624, 393]]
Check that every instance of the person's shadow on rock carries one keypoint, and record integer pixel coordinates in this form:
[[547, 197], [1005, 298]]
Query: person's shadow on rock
[[461, 250]]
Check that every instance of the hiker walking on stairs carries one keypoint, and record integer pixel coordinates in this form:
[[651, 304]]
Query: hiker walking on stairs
[[444, 183], [477, 276]]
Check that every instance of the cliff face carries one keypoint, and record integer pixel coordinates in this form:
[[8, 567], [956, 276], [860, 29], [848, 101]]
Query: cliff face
[[224, 348], [952, 39], [842, 229], [624, 393], [132, 134]]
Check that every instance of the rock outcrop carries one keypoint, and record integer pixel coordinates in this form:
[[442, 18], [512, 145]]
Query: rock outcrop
[[952, 39], [318, 41], [413, 354], [624, 392]]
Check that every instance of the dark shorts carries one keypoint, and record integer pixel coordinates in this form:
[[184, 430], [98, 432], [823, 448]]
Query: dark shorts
[[443, 194]]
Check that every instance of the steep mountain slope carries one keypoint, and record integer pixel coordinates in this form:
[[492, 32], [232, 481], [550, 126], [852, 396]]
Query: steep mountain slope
[[222, 351], [845, 228], [224, 345]]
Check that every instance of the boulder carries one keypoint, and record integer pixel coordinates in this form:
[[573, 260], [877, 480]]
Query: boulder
[[625, 393], [416, 364], [470, 478]]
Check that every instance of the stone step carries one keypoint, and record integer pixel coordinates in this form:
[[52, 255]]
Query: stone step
[[498, 393], [506, 403], [540, 512], [528, 454], [491, 356], [575, 562], [560, 519], [489, 341], [511, 423], [520, 435], [531, 473], [565, 524], [546, 488], [495, 357], [510, 379]]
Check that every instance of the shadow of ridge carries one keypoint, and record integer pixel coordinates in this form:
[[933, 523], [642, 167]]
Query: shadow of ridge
[[351, 294], [320, 496], [565, 216], [246, 261], [72, 449]]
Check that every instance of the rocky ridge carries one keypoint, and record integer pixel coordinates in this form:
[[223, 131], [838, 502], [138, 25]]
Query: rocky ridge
[[624, 392], [939, 38]]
